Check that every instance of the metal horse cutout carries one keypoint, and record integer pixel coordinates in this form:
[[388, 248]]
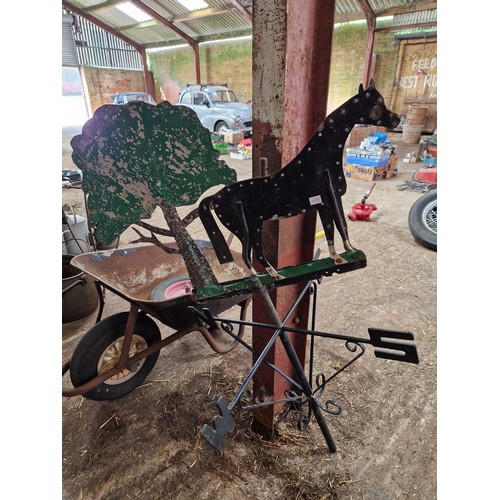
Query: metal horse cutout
[[313, 180]]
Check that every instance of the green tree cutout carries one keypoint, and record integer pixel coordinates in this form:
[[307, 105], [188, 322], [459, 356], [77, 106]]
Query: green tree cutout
[[136, 157]]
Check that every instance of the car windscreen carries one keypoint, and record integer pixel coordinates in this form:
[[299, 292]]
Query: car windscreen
[[143, 98], [223, 96]]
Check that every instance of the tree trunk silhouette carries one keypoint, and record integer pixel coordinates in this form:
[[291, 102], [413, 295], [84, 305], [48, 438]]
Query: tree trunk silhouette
[[197, 265]]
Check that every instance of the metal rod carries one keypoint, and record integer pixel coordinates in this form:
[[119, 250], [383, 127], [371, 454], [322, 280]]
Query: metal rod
[[313, 326], [299, 371], [297, 367], [127, 336], [290, 329], [267, 362], [279, 325]]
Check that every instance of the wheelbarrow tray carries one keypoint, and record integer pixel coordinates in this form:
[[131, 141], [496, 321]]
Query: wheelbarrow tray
[[133, 272]]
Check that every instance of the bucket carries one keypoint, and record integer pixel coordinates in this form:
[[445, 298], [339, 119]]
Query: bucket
[[75, 234], [412, 133], [417, 114], [427, 174], [79, 292]]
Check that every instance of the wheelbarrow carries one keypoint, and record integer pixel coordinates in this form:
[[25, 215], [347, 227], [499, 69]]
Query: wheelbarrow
[[118, 352]]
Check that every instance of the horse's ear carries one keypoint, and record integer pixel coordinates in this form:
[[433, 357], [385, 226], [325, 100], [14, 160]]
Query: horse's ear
[[372, 84], [361, 89]]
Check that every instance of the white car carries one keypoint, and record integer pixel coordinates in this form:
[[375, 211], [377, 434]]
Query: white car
[[217, 107], [124, 97]]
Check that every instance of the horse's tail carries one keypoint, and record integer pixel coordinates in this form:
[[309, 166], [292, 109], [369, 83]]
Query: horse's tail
[[214, 233]]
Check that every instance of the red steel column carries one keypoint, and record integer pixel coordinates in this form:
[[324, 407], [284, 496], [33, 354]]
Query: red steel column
[[291, 66]]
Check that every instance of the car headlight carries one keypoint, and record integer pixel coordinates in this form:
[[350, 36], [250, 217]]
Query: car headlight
[[237, 121]]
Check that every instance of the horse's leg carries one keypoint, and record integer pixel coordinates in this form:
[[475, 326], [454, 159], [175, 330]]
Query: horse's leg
[[245, 238], [258, 248], [338, 212], [215, 235], [326, 214]]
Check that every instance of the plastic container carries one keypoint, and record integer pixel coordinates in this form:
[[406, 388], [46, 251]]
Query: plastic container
[[222, 148], [368, 160]]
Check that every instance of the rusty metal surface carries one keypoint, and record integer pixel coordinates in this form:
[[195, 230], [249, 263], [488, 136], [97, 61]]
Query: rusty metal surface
[[289, 104], [133, 273]]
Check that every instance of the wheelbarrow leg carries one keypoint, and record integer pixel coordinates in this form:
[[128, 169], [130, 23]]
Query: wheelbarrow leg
[[100, 293]]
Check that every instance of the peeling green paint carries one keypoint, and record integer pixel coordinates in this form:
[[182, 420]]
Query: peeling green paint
[[136, 157]]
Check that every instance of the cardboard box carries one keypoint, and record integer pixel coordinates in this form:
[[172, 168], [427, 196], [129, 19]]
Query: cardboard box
[[392, 163], [391, 173], [360, 132], [233, 137], [364, 172]]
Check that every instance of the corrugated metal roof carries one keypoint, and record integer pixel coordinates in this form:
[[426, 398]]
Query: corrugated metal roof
[[413, 18], [221, 19]]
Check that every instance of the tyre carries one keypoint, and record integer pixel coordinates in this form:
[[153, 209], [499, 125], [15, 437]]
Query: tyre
[[221, 127], [99, 350], [422, 220]]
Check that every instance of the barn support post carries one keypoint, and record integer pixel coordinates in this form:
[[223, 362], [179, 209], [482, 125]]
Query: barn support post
[[291, 64]]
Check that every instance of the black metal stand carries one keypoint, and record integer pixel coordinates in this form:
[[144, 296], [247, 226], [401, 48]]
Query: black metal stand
[[304, 392]]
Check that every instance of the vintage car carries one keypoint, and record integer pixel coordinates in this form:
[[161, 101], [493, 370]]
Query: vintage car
[[217, 107]]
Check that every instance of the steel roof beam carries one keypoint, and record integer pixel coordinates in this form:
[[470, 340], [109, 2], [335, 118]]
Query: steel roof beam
[[191, 41], [188, 16], [371, 21], [105, 27], [241, 9]]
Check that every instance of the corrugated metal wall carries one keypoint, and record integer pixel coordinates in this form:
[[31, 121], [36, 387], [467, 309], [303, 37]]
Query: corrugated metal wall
[[69, 55], [99, 49]]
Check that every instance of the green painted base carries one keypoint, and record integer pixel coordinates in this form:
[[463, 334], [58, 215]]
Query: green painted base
[[292, 274]]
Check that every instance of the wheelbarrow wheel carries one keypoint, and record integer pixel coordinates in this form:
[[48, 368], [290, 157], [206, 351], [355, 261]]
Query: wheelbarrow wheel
[[100, 349]]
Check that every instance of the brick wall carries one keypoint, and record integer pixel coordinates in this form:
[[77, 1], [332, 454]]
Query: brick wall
[[102, 82], [231, 63], [348, 58]]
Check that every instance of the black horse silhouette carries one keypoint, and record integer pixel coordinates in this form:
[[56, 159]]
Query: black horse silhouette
[[313, 180]]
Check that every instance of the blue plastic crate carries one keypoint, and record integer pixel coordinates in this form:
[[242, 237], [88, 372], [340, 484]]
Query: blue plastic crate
[[368, 160]]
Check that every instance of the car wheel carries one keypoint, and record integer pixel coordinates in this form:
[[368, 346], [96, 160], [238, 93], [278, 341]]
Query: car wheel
[[221, 127], [422, 220]]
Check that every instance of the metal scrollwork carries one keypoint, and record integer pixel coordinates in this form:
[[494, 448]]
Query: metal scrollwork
[[227, 326], [321, 380], [328, 407]]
